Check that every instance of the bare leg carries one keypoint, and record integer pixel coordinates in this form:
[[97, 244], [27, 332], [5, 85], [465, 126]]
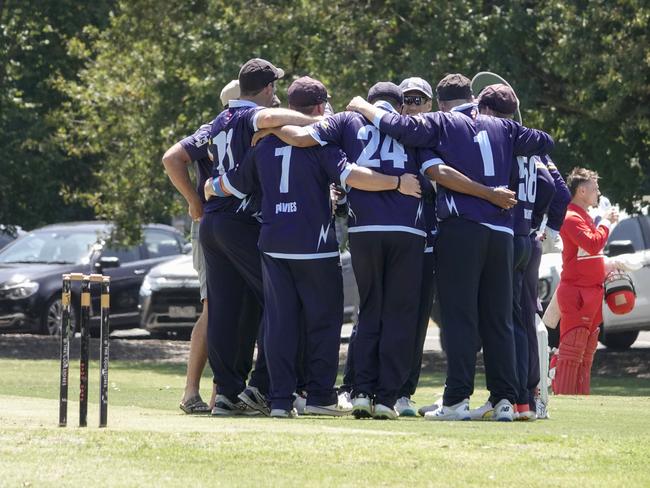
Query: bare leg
[[198, 356]]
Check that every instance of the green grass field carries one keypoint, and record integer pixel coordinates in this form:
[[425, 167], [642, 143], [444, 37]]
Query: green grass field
[[601, 440]]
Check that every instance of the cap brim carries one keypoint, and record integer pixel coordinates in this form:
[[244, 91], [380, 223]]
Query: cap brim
[[279, 72], [417, 89], [486, 78]]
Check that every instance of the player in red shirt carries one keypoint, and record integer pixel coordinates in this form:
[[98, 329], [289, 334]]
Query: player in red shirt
[[580, 293]]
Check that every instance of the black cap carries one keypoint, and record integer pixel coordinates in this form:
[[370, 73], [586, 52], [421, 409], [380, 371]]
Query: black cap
[[454, 87], [500, 98], [256, 73], [385, 89], [305, 92]]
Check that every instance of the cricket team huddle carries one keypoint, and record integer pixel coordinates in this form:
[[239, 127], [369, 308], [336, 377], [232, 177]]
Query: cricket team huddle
[[453, 203]]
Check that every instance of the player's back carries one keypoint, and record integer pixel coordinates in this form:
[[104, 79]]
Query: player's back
[[231, 133], [296, 208], [367, 146], [482, 149]]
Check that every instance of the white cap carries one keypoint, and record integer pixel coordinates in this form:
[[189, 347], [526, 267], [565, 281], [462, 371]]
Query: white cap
[[416, 84], [230, 92]]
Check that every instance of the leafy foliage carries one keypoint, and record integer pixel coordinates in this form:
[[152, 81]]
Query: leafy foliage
[[110, 92]]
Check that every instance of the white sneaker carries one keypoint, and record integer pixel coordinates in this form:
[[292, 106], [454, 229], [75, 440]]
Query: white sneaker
[[541, 409], [280, 413], [460, 411], [345, 400], [526, 415], [405, 407], [334, 410], [382, 412], [430, 408], [504, 411], [299, 403], [484, 412], [361, 406]]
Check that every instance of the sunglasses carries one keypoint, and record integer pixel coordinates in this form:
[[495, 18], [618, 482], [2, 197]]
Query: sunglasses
[[415, 100]]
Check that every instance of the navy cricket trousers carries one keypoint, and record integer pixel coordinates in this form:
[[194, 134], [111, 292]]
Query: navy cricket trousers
[[234, 275], [529, 307], [388, 270], [474, 282], [302, 294], [521, 257], [424, 314]]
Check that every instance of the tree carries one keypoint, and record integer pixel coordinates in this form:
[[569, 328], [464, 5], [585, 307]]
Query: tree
[[151, 74], [33, 49]]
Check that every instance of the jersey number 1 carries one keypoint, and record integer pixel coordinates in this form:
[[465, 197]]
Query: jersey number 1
[[486, 152]]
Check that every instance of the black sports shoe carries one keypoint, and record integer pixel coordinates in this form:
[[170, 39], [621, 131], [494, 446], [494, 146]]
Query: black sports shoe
[[252, 397], [225, 408]]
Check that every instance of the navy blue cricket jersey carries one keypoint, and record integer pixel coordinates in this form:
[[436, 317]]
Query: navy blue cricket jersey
[[526, 192], [231, 133], [561, 200], [297, 216], [196, 147], [481, 148], [545, 193], [429, 214], [366, 146]]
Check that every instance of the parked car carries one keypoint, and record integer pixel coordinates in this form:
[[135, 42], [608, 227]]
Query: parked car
[[32, 265], [8, 233], [631, 235], [170, 300]]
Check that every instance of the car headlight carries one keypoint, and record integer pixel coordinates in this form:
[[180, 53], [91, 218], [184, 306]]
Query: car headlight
[[155, 283], [145, 288], [544, 289], [18, 291]]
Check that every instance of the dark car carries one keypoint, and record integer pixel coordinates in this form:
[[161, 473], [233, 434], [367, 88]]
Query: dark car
[[8, 233], [31, 269], [170, 300]]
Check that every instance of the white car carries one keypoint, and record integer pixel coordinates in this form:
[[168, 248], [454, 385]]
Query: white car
[[631, 235]]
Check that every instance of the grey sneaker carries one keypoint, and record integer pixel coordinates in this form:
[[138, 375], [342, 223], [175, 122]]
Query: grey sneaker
[[504, 411], [484, 412], [334, 410], [361, 406], [382, 412], [460, 411], [280, 413], [405, 407], [299, 403], [225, 408], [252, 397], [430, 408]]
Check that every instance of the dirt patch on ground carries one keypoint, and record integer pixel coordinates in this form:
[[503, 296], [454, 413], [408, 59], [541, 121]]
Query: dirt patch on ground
[[633, 362]]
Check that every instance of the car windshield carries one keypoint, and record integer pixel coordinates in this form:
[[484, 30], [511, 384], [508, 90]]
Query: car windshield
[[51, 247]]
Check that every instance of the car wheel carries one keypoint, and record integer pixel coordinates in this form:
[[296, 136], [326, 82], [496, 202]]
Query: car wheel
[[618, 341], [52, 315]]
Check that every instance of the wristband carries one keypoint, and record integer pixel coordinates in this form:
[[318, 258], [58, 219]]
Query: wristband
[[399, 182], [216, 186]]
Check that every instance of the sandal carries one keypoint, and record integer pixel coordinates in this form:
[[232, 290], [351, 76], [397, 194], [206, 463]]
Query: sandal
[[194, 405]]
